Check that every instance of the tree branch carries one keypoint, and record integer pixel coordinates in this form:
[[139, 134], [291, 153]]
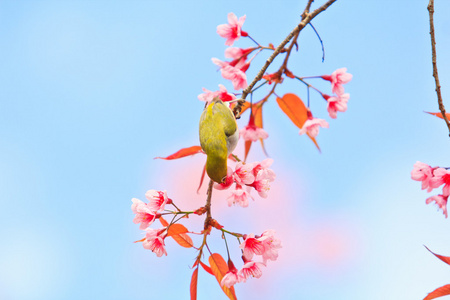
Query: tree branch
[[306, 18], [430, 8]]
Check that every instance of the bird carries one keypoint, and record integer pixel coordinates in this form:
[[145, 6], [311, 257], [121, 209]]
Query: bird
[[219, 134]]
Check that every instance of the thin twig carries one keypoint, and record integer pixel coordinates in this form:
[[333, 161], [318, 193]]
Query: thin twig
[[306, 18], [430, 8]]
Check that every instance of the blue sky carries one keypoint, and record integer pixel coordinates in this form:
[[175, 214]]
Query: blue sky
[[92, 91]]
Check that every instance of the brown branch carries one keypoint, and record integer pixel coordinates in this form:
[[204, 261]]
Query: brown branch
[[208, 206], [430, 8], [306, 18]]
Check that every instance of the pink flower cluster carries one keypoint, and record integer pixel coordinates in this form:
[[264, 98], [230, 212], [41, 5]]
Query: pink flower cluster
[[335, 103], [431, 178], [266, 245], [255, 175], [338, 102], [235, 69], [146, 214], [222, 94]]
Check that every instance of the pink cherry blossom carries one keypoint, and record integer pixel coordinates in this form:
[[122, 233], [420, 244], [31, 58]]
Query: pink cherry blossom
[[229, 180], [441, 176], [222, 93], [237, 53], [155, 242], [251, 246], [271, 245], [237, 77], [335, 104], [312, 126], [233, 30], [261, 185], [239, 196], [243, 173], [422, 172], [263, 170], [144, 214], [441, 201], [157, 200], [234, 73], [232, 277], [337, 79], [253, 133], [251, 268]]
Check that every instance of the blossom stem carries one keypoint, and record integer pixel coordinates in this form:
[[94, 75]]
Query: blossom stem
[[232, 233], [176, 207], [180, 218], [259, 86], [254, 41], [308, 95], [226, 244], [235, 157], [308, 77], [170, 212], [309, 85]]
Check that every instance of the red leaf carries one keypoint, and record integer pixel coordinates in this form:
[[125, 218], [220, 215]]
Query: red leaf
[[439, 292], [296, 110], [439, 115], [193, 287], [206, 267], [219, 267], [202, 178], [175, 229], [183, 153], [289, 73], [445, 259]]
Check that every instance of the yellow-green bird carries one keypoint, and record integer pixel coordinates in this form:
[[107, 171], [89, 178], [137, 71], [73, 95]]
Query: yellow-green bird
[[218, 137]]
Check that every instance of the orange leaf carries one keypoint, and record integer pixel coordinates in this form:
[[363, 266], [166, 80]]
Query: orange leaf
[[193, 288], [296, 110], [183, 153], [219, 267], [176, 229], [439, 292], [439, 115], [163, 222], [445, 259], [139, 241], [248, 145], [183, 240], [206, 267]]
